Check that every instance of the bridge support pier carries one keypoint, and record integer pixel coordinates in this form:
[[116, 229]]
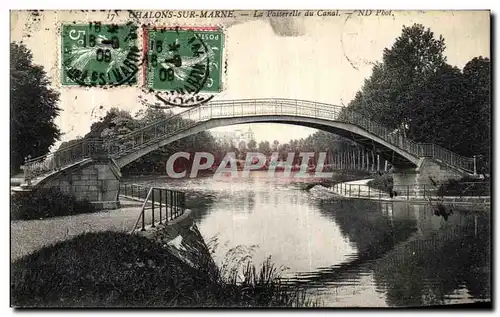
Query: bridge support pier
[[97, 180], [419, 177]]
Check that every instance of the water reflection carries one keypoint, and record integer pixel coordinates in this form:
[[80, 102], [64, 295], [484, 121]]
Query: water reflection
[[347, 253]]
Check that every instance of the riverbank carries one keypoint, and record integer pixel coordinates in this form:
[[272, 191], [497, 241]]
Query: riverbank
[[91, 260], [114, 269], [360, 189]]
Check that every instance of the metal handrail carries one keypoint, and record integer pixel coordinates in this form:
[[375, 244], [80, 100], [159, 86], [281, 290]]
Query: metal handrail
[[165, 204], [121, 145], [408, 192]]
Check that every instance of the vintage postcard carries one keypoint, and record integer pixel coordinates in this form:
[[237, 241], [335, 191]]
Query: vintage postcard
[[250, 158]]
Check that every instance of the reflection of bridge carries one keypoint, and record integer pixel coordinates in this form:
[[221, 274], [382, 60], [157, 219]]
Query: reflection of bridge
[[412, 161]]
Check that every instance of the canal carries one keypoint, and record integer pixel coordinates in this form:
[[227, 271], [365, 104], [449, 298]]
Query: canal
[[343, 252]]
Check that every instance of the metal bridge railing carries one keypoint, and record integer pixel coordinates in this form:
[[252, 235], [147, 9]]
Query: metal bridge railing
[[160, 205], [34, 167], [122, 145], [408, 192]]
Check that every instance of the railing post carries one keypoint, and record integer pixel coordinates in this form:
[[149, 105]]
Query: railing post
[[475, 171], [27, 170], [152, 208], [171, 194], [161, 192], [143, 221], [368, 191], [407, 192]]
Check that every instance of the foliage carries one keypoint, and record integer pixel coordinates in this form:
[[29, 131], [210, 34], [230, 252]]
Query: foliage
[[33, 108], [252, 145], [387, 97], [117, 123], [45, 203], [112, 269], [265, 148], [466, 186], [417, 94], [383, 182]]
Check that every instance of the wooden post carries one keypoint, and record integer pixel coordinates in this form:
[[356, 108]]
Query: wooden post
[[373, 161], [359, 156], [353, 156], [368, 161]]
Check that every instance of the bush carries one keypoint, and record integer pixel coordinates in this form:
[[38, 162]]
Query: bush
[[45, 203], [466, 186], [382, 182]]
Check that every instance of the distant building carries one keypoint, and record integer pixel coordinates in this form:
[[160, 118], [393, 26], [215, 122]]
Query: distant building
[[234, 137]]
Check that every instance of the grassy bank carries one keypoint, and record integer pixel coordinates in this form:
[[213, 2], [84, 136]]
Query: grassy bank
[[119, 270]]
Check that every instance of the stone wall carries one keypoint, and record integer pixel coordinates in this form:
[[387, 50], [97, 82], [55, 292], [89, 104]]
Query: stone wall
[[96, 180], [183, 239]]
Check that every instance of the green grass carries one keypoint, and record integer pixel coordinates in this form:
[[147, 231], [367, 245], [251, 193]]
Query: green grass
[[114, 269]]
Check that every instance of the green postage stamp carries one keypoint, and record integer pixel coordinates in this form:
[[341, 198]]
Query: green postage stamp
[[184, 60], [96, 54]]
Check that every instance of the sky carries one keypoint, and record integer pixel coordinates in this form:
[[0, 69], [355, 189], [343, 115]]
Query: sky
[[324, 59]]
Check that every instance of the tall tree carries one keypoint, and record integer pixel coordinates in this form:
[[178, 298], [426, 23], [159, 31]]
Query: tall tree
[[477, 76], [33, 107], [441, 109], [388, 96]]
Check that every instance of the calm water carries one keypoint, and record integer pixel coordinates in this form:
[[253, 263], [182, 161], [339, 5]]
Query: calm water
[[345, 253]]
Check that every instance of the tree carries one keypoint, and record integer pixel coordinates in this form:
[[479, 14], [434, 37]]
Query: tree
[[276, 143], [252, 145], [33, 107], [441, 111], [388, 96], [265, 148], [478, 101]]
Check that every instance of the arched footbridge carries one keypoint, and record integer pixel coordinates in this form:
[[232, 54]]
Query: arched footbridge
[[400, 151]]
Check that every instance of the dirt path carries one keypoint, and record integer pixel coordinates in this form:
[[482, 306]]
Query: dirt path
[[30, 235]]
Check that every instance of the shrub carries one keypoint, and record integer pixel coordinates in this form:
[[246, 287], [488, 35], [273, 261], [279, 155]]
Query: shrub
[[382, 182], [47, 202]]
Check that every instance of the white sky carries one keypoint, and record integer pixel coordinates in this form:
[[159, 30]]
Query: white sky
[[262, 64]]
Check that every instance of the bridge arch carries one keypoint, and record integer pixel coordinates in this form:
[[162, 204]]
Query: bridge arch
[[392, 153]]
